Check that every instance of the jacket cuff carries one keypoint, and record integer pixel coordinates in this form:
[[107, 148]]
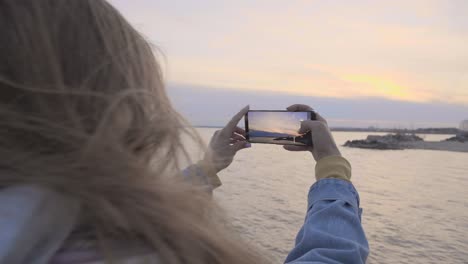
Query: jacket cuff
[[210, 174], [333, 167], [334, 189]]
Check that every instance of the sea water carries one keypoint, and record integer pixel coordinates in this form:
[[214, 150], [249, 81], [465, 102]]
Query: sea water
[[415, 201]]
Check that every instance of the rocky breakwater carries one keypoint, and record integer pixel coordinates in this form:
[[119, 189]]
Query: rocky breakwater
[[391, 141], [462, 137], [458, 143]]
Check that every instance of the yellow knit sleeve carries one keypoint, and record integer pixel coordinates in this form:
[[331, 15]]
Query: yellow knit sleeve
[[333, 167]]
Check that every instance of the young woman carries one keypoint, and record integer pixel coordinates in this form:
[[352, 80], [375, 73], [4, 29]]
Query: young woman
[[91, 147]]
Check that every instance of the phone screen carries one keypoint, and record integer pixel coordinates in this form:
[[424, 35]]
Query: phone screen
[[277, 127]]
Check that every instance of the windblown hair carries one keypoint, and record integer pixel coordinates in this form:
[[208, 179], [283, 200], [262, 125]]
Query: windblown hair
[[83, 110]]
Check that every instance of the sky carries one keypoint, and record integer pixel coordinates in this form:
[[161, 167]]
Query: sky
[[360, 56]]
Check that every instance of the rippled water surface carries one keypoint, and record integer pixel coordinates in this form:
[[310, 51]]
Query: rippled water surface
[[415, 201]]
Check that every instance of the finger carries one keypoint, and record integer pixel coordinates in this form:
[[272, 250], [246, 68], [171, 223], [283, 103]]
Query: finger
[[237, 137], [296, 148], [299, 107], [230, 127], [240, 145], [311, 125], [232, 140], [239, 131]]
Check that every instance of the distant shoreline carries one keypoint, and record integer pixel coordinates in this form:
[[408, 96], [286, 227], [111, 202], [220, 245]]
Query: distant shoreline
[[435, 131], [440, 131]]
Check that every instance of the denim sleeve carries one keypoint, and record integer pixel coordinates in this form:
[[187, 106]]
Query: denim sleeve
[[332, 231]]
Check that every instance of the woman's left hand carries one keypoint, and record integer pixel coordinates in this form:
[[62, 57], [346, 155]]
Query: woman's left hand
[[225, 143]]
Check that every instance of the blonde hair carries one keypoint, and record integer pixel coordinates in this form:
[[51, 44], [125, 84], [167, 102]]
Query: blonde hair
[[83, 110]]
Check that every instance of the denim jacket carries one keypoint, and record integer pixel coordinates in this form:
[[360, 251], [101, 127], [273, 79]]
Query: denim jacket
[[332, 231]]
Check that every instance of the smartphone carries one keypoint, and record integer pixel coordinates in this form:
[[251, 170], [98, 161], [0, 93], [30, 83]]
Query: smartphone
[[277, 127]]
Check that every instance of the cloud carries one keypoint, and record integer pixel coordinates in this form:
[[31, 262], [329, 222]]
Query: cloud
[[400, 50]]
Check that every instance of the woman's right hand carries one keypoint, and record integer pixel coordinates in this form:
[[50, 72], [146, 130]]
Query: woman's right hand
[[323, 143]]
